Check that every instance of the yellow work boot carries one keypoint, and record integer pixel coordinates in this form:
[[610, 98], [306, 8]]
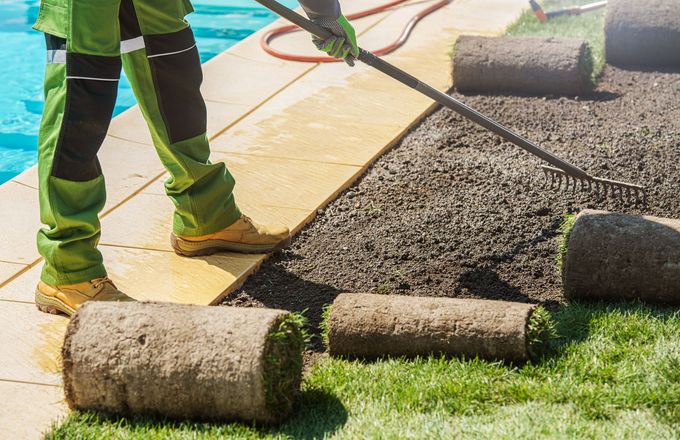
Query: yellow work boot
[[66, 299], [244, 235]]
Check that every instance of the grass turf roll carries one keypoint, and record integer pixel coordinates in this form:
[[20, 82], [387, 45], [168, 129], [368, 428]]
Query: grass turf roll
[[643, 33], [611, 256], [525, 65], [370, 326], [183, 361]]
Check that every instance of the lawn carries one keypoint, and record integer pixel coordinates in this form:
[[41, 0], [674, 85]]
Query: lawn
[[612, 372], [615, 373]]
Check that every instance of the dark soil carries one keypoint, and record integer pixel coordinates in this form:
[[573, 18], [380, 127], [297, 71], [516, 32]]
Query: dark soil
[[454, 211]]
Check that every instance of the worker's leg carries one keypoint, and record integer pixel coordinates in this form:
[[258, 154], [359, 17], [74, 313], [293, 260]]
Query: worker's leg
[[83, 67], [161, 60]]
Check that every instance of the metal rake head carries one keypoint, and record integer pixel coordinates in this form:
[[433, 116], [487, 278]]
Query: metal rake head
[[556, 178]]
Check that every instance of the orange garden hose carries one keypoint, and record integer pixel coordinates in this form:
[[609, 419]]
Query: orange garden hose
[[403, 36]]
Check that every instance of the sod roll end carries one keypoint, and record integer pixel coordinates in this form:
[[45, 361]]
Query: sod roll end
[[371, 326], [612, 256], [523, 65], [643, 33], [182, 361]]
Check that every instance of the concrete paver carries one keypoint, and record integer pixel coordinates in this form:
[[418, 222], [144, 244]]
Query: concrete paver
[[28, 410], [8, 270], [31, 344]]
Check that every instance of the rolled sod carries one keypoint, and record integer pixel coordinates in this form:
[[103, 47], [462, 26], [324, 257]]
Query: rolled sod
[[611, 256], [182, 361], [524, 65], [371, 326], [643, 33]]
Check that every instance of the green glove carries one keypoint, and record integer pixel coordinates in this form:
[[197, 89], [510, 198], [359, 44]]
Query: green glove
[[343, 43]]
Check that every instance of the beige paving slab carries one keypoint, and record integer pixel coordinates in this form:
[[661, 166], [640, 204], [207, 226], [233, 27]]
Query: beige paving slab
[[146, 221], [350, 129], [21, 288], [354, 146], [477, 16], [237, 80], [30, 343], [28, 410], [19, 223], [163, 276], [131, 126], [8, 270], [266, 181], [152, 275]]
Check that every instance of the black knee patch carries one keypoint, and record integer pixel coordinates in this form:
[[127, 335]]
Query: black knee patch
[[55, 43], [177, 75], [129, 25], [91, 89]]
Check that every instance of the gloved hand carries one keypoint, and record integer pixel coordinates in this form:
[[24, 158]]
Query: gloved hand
[[343, 43]]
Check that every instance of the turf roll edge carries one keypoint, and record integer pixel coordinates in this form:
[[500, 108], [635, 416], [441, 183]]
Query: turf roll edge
[[612, 256], [183, 361], [362, 325], [523, 65], [643, 33]]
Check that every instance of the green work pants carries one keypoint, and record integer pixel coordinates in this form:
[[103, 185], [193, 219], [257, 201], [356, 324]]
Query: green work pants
[[87, 42]]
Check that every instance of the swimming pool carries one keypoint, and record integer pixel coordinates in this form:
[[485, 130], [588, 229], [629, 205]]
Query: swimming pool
[[217, 24]]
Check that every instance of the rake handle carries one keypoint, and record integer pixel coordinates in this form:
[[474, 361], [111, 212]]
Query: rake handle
[[429, 91]]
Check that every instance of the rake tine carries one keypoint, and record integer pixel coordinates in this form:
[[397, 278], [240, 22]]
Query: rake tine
[[602, 187]]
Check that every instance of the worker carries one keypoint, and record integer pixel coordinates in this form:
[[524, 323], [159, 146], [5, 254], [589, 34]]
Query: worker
[[87, 42]]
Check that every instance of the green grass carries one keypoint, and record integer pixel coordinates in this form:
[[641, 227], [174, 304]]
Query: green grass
[[615, 373], [589, 26], [283, 362], [541, 333], [563, 241], [324, 325]]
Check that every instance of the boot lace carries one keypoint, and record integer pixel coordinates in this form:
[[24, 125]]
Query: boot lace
[[97, 283]]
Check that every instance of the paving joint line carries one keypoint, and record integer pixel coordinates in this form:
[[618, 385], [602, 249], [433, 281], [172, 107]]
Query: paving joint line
[[15, 301], [24, 184], [28, 382]]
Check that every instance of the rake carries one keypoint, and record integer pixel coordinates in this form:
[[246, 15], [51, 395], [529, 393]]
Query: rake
[[560, 175]]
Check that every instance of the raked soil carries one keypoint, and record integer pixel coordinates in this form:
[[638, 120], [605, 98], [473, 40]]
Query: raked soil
[[454, 211]]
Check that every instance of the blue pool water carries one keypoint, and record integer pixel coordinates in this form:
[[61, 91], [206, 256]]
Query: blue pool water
[[217, 24]]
